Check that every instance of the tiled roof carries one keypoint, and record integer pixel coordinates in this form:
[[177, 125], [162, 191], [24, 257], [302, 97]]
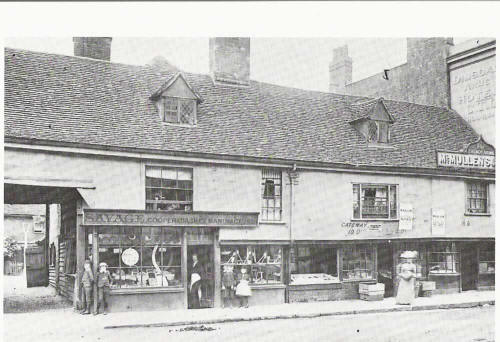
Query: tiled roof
[[78, 100]]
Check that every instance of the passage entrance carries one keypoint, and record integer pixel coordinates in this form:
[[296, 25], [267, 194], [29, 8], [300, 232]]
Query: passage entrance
[[201, 292]]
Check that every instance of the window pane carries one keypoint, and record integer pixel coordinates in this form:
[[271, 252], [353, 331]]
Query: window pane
[[375, 202], [187, 111]]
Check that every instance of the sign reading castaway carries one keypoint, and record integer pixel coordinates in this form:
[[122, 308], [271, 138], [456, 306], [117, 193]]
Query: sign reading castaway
[[103, 217], [477, 155]]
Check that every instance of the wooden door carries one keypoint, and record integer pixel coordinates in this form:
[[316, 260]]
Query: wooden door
[[469, 267], [36, 267]]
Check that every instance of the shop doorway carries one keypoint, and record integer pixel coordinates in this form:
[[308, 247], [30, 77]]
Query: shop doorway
[[201, 294], [385, 268], [469, 264]]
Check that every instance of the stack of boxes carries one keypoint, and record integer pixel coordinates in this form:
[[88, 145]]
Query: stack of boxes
[[371, 292]]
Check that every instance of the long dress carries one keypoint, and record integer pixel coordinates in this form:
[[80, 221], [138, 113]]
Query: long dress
[[406, 287]]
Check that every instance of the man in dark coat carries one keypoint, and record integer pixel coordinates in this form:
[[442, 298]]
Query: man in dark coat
[[196, 275]]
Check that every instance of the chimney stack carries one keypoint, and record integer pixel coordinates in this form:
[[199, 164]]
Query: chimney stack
[[230, 60], [340, 70], [93, 47]]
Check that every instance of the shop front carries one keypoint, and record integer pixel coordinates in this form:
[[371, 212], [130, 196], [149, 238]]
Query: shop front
[[151, 255]]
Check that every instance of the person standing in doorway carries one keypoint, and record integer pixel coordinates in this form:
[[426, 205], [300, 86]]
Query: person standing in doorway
[[196, 276], [406, 274], [86, 282]]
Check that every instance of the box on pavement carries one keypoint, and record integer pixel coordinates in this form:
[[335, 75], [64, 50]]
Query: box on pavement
[[372, 288], [428, 285]]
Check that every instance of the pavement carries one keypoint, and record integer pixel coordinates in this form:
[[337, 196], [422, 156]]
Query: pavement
[[43, 324]]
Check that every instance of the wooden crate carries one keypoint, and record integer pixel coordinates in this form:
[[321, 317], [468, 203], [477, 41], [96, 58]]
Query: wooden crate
[[427, 293], [371, 288], [428, 285], [371, 297]]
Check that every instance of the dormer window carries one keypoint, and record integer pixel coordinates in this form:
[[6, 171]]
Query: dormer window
[[179, 111], [177, 102], [378, 132], [372, 120]]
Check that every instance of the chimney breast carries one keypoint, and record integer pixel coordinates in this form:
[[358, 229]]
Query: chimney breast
[[93, 47], [230, 60], [340, 70]]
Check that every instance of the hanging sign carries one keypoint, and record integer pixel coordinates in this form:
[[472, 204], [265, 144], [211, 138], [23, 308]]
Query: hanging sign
[[130, 257], [438, 221], [405, 216]]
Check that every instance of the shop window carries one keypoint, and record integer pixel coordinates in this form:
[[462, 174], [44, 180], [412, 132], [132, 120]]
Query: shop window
[[375, 201], [358, 263], [263, 263], [141, 257], [169, 188], [179, 111], [487, 259], [271, 195], [420, 259], [314, 265], [477, 198], [443, 258]]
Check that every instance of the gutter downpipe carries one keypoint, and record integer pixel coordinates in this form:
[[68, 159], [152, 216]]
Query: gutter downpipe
[[291, 178]]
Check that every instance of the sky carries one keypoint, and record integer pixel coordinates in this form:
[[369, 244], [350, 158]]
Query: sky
[[294, 62]]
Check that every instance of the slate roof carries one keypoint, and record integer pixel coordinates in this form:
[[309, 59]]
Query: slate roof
[[78, 100]]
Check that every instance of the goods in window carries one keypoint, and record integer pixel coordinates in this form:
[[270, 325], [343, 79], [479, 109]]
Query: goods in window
[[313, 278]]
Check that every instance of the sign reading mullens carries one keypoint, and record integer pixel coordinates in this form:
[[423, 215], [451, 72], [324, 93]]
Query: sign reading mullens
[[102, 217], [454, 159]]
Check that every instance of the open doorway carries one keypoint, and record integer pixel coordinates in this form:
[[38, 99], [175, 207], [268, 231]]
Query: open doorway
[[385, 268], [201, 282]]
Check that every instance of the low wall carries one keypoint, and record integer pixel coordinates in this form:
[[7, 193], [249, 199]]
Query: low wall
[[129, 300]]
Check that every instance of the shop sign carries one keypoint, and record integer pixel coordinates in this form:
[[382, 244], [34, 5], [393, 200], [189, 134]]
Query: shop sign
[[98, 217], [405, 216], [438, 221], [462, 160]]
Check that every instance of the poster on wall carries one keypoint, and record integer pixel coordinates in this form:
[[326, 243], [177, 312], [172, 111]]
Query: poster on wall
[[405, 216], [438, 221]]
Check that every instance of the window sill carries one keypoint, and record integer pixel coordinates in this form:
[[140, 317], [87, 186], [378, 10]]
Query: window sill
[[444, 274], [267, 286], [126, 291], [359, 280], [178, 124], [273, 222], [477, 214]]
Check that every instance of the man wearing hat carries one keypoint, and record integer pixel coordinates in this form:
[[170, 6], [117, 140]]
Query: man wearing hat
[[104, 282], [86, 282]]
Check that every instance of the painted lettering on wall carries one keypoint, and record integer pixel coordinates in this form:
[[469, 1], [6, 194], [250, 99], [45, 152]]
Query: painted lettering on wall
[[405, 216], [355, 228], [472, 90], [462, 160], [438, 221]]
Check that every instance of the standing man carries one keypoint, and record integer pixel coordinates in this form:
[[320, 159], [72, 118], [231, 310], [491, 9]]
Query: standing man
[[196, 276]]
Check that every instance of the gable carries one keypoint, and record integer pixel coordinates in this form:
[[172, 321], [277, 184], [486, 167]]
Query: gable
[[380, 113], [179, 88]]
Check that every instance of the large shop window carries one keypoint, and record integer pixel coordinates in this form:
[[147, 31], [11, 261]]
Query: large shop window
[[141, 257], [314, 265], [263, 263], [358, 263], [374, 201], [169, 188], [487, 258], [443, 258], [271, 195], [477, 198]]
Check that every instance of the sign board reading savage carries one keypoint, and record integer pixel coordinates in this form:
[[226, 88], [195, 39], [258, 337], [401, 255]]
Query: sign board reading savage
[[475, 161], [98, 217]]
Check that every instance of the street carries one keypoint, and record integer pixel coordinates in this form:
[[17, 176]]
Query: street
[[475, 324]]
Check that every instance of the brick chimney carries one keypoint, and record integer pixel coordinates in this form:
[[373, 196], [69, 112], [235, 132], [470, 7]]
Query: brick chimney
[[230, 60], [340, 70], [93, 47]]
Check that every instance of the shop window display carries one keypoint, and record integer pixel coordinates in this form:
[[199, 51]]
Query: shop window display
[[357, 263], [443, 258], [263, 263], [141, 257], [487, 260], [314, 265]]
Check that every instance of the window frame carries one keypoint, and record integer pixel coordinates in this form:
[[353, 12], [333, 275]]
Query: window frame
[[379, 132], [467, 198], [453, 252], [367, 248], [168, 167], [178, 101], [274, 197], [360, 199]]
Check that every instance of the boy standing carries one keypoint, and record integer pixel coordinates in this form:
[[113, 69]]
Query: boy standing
[[104, 282], [87, 282]]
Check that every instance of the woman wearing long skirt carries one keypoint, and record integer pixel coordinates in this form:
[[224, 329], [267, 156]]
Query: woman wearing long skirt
[[407, 274]]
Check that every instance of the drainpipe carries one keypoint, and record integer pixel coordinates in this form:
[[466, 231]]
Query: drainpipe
[[292, 176]]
